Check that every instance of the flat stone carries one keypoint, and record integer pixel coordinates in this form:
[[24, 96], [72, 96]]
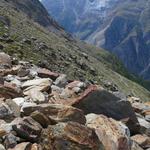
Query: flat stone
[[37, 84], [9, 90], [45, 73]]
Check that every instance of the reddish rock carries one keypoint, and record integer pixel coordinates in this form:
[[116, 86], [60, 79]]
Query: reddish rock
[[142, 140], [113, 134], [9, 90], [45, 73], [56, 112], [99, 101], [12, 71], [68, 136]]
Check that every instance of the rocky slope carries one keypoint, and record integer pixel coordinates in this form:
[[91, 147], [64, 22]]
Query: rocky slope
[[54, 96], [121, 27], [43, 110]]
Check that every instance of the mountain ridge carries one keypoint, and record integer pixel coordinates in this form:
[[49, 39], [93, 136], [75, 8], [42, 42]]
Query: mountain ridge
[[121, 27]]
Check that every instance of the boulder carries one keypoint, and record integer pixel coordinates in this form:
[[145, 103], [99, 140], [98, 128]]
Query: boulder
[[37, 96], [142, 140], [45, 73], [28, 129], [37, 84], [5, 111], [9, 90], [113, 134], [19, 101], [41, 118], [99, 101], [14, 107], [68, 136], [57, 112], [68, 93], [10, 141]]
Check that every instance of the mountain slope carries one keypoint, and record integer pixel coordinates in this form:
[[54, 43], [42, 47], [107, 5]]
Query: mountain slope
[[121, 27], [28, 40]]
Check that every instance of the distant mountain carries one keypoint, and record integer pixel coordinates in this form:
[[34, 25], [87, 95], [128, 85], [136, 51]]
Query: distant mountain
[[122, 27]]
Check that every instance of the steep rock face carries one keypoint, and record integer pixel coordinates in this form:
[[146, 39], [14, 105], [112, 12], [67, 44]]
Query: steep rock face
[[121, 27], [84, 15]]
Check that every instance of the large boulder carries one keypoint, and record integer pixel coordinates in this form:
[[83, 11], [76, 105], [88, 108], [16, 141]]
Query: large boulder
[[70, 136], [113, 134], [37, 84], [57, 112], [99, 101]]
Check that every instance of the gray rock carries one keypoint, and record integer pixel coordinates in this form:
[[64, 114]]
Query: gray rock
[[61, 81], [5, 61], [144, 126], [10, 141]]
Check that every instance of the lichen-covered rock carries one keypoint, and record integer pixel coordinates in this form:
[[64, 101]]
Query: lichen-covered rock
[[57, 112], [70, 136], [113, 134], [28, 129]]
